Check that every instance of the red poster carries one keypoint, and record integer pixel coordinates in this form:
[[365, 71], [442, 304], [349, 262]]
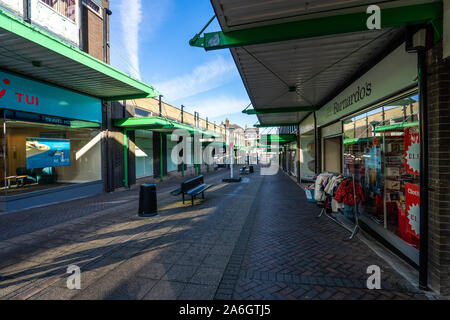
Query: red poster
[[412, 151], [413, 209]]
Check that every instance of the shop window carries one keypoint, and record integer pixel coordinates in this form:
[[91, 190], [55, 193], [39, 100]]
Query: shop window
[[144, 153], [65, 7], [94, 5], [44, 155], [307, 156], [386, 164], [171, 145]]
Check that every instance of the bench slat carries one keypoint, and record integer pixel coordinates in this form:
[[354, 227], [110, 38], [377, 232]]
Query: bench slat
[[199, 189]]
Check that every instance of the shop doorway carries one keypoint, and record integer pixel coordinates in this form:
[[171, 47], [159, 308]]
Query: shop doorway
[[332, 149]]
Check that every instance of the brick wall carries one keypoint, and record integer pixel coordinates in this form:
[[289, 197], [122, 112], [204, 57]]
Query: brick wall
[[438, 104], [93, 33]]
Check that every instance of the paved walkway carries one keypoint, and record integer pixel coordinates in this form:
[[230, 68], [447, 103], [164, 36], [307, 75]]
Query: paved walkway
[[255, 240]]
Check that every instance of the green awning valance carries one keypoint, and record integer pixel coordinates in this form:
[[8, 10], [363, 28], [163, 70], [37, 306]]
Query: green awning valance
[[160, 125], [397, 126]]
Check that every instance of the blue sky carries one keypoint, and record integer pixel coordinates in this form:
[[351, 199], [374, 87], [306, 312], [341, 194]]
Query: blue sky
[[149, 40]]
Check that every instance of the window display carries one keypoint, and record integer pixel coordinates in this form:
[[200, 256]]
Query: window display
[[46, 155], [382, 150], [144, 153]]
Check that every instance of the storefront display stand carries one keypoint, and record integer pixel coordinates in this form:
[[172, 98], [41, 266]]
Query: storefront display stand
[[354, 231]]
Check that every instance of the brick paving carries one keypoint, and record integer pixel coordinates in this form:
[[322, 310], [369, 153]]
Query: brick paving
[[285, 252], [255, 240]]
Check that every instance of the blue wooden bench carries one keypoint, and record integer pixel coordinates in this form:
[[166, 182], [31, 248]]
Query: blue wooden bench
[[192, 187]]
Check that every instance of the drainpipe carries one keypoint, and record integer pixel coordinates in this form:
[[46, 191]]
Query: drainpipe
[[423, 253], [182, 114], [26, 11], [125, 157], [161, 157], [106, 14]]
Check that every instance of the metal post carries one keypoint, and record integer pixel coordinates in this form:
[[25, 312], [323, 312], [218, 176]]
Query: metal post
[[4, 155], [182, 114], [125, 157], [231, 151], [161, 157]]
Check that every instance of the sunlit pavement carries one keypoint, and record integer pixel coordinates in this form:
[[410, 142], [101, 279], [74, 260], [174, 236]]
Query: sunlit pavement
[[258, 239]]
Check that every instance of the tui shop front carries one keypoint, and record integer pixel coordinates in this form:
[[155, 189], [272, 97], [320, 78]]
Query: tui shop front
[[54, 102], [50, 143]]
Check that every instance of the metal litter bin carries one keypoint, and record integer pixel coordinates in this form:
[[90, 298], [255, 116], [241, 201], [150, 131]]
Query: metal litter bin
[[148, 206]]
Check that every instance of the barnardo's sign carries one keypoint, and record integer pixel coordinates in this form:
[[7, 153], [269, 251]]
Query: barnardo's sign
[[396, 72], [21, 94]]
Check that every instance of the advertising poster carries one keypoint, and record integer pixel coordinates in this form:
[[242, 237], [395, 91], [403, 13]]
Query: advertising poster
[[412, 151], [413, 209], [44, 153], [373, 169]]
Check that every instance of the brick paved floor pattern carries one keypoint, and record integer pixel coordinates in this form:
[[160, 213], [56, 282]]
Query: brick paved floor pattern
[[258, 240], [285, 252]]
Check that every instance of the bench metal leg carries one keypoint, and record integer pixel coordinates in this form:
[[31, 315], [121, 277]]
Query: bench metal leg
[[203, 195], [192, 197], [183, 197]]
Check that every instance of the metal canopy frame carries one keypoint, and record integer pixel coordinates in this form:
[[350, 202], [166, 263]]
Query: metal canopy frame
[[28, 50], [157, 124], [323, 26], [280, 110]]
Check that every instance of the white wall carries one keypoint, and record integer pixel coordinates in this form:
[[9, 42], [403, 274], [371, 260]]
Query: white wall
[[58, 24], [14, 5]]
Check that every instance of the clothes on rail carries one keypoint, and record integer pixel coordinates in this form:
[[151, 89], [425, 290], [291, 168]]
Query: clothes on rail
[[345, 193]]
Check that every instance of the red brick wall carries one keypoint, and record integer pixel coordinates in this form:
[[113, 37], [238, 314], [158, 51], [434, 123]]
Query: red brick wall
[[93, 33]]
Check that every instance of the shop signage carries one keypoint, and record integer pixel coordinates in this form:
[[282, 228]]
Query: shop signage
[[413, 208], [396, 72], [412, 151], [18, 93], [44, 153]]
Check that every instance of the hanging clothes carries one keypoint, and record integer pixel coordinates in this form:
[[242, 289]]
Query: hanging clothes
[[345, 193], [319, 193]]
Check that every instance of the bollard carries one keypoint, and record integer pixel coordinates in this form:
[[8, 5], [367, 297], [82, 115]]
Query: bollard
[[148, 206]]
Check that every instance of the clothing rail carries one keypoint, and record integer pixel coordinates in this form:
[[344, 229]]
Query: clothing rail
[[354, 231]]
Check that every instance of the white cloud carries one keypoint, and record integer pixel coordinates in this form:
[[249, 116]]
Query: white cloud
[[130, 18], [203, 78], [219, 106]]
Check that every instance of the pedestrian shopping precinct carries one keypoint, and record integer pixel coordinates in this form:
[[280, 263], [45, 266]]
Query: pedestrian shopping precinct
[[252, 150]]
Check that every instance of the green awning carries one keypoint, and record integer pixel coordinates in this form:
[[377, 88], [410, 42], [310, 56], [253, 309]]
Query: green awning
[[279, 138], [28, 50], [397, 126], [159, 124], [360, 140]]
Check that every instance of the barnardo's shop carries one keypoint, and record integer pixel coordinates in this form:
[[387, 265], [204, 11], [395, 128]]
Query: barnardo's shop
[[370, 133], [370, 107]]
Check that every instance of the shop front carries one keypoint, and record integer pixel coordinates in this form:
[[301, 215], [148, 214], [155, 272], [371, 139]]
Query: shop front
[[308, 149], [50, 144], [370, 134]]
